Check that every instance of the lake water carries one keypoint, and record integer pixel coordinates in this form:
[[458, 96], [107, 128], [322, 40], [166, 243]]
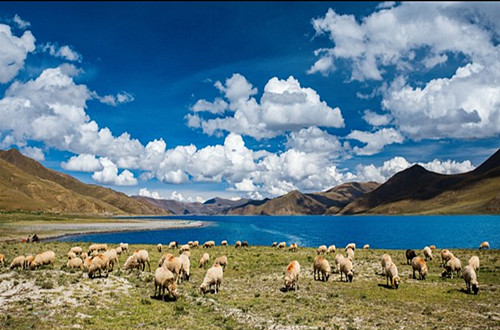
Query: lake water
[[384, 232]]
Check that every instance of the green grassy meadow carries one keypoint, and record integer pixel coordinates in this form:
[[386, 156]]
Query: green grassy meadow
[[250, 295]]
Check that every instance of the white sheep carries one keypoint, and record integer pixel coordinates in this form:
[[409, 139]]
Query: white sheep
[[238, 244], [184, 248], [124, 246], [209, 244], [142, 257], [292, 275], [452, 265], [75, 263], [321, 249], [119, 250], [172, 245], [470, 278], [18, 262], [44, 258], [384, 260], [321, 267], [164, 279], [76, 250], [419, 264], [293, 247], [338, 259], [204, 259], [214, 277], [445, 256], [174, 264], [196, 244], [274, 245], [71, 255], [282, 245], [28, 260], [366, 246], [391, 273], [130, 263], [351, 246], [222, 260], [99, 263], [484, 245], [112, 258], [159, 247], [474, 262], [350, 254], [331, 249], [345, 267], [427, 253], [164, 257], [186, 265], [223, 243]]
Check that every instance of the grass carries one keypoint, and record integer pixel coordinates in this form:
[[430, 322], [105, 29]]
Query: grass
[[250, 295]]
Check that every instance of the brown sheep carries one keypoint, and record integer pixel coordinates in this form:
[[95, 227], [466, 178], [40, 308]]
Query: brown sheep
[[174, 264], [45, 258], [222, 260], [18, 262], [420, 265], [142, 257], [321, 267], [292, 275], [204, 260], [164, 279]]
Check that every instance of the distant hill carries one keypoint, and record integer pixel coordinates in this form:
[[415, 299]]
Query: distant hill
[[26, 185], [210, 207], [417, 190]]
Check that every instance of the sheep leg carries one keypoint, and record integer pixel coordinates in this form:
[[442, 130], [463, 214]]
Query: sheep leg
[[149, 265], [341, 273], [414, 273]]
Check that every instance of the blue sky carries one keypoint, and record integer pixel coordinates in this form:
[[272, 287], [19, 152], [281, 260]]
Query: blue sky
[[248, 99]]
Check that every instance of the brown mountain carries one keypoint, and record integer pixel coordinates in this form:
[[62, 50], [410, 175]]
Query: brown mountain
[[417, 190], [295, 202], [210, 207], [27, 185]]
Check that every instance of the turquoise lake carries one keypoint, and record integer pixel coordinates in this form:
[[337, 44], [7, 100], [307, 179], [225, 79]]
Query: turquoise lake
[[380, 232]]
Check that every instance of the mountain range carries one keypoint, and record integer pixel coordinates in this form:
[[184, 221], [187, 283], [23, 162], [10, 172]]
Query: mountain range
[[25, 185]]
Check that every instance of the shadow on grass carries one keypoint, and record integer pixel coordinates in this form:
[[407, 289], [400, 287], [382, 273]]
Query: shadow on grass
[[168, 298], [386, 286]]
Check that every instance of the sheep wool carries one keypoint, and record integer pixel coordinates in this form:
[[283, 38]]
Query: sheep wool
[[292, 275], [213, 277]]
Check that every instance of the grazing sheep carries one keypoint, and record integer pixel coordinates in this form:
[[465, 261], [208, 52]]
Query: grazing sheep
[[321, 250], [29, 259], [86, 263], [184, 248], [76, 250], [204, 260], [338, 259], [452, 265], [244, 244], [366, 246], [293, 247], [384, 261], [186, 265], [119, 250], [18, 262], [45, 258], [172, 245], [174, 264], [75, 263], [238, 244], [2, 259], [292, 275], [71, 255], [321, 266], [124, 246], [350, 246], [391, 273], [223, 243], [209, 244], [282, 245], [158, 247], [345, 267], [470, 278], [445, 256], [222, 260], [427, 253], [474, 263], [331, 249], [275, 245], [99, 263], [350, 254], [164, 279], [419, 264], [410, 254], [84, 256], [164, 257], [196, 244], [484, 245], [142, 257], [214, 277], [432, 247], [130, 263], [112, 258], [98, 247], [190, 243]]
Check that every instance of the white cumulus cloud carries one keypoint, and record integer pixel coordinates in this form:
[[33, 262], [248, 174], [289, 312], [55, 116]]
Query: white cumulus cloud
[[83, 163], [109, 175], [13, 52], [146, 193], [376, 141], [33, 152], [22, 24], [65, 52]]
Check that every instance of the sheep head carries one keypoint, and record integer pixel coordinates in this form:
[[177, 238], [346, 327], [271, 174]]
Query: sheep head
[[288, 282], [203, 287], [395, 281], [172, 288]]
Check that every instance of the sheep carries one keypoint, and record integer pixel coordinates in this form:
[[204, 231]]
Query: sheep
[[432, 247], [164, 257], [204, 259], [45, 258], [419, 264], [184, 248], [350, 254], [321, 266], [470, 278], [209, 244], [484, 245], [186, 265], [321, 250], [331, 249], [94, 253], [86, 263], [18, 262], [351, 246], [174, 264], [244, 244], [338, 259], [84, 256], [222, 260], [142, 258], [71, 255], [76, 250], [410, 254], [282, 245], [119, 250], [2, 259], [427, 253], [391, 273], [345, 267], [112, 258], [124, 246], [293, 247], [292, 275], [366, 246], [474, 263], [99, 263], [274, 245], [196, 244], [159, 247], [172, 245], [238, 244], [445, 256], [223, 243], [452, 265], [214, 277], [384, 260], [164, 279], [29, 259], [75, 263], [98, 247], [190, 243], [130, 263]]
